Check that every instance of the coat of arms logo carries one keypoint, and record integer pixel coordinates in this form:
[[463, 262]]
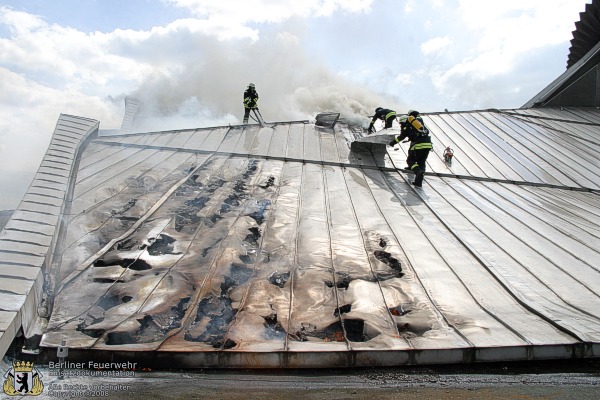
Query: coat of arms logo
[[23, 380]]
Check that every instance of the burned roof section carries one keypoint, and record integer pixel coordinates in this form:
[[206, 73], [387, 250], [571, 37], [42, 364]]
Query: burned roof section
[[278, 246]]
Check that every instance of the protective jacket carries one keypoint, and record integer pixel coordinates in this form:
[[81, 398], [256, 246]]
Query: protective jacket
[[250, 98], [415, 130], [383, 114]]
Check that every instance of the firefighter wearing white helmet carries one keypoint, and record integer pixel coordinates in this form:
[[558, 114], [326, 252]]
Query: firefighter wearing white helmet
[[250, 101], [413, 128], [384, 114]]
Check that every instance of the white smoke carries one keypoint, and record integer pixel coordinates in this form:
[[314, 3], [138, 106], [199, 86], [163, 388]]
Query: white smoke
[[207, 89]]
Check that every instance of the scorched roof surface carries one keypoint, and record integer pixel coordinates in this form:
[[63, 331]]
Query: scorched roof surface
[[278, 246]]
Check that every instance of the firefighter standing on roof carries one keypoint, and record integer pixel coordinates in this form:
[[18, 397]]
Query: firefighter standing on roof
[[250, 101], [414, 129], [384, 114]]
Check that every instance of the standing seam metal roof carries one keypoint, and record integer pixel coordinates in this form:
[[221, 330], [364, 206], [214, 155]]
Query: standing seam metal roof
[[244, 246]]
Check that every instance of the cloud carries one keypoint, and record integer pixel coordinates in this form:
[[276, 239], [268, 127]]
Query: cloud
[[234, 16], [497, 37], [435, 45]]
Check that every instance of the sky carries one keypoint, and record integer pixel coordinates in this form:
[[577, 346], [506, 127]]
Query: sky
[[189, 61]]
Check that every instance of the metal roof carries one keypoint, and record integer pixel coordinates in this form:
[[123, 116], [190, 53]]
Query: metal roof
[[242, 246]]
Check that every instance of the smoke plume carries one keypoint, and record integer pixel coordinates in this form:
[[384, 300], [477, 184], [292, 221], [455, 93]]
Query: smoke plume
[[207, 88]]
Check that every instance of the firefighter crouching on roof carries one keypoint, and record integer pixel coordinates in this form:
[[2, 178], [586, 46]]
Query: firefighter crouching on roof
[[384, 114], [413, 128], [250, 101]]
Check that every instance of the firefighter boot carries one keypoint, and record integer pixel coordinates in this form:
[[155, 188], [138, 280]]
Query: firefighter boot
[[419, 175]]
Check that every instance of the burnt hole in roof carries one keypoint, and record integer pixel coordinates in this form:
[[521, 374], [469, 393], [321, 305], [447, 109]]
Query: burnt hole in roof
[[253, 236], [92, 332], [126, 299], [398, 311], [279, 279], [413, 330], [108, 301], [214, 218], [187, 215], [117, 338], [136, 265], [390, 261], [246, 259], [251, 169], [342, 281], [229, 344], [213, 317], [107, 280], [131, 263], [342, 310], [355, 330], [124, 208], [126, 244], [163, 244], [240, 186], [231, 201], [270, 182], [382, 242], [332, 333], [273, 329], [176, 313], [127, 221], [239, 274], [214, 184], [151, 328], [90, 320], [259, 214], [196, 203], [185, 219]]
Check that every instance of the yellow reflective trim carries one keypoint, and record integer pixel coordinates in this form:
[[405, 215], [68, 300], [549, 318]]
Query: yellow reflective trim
[[421, 146], [390, 114]]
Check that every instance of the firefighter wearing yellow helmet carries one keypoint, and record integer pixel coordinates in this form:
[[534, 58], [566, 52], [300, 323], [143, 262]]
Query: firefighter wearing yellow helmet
[[413, 128]]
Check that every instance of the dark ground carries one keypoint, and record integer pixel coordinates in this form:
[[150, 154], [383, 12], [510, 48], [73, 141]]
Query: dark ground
[[579, 379]]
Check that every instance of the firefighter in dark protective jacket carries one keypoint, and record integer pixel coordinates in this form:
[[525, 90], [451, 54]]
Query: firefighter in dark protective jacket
[[250, 101], [384, 114], [413, 128]]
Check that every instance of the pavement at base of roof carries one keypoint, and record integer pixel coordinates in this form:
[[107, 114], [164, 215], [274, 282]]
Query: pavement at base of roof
[[529, 380]]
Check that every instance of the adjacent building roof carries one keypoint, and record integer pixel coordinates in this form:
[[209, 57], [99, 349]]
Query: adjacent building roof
[[579, 85], [587, 33]]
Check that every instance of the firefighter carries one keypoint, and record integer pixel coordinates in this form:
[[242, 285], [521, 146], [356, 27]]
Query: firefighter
[[250, 101], [384, 114], [413, 128]]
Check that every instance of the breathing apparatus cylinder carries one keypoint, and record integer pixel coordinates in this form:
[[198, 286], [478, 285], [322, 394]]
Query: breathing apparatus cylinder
[[415, 123]]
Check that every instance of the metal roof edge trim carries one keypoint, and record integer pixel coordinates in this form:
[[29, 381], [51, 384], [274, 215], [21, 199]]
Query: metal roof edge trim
[[86, 129], [225, 359]]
